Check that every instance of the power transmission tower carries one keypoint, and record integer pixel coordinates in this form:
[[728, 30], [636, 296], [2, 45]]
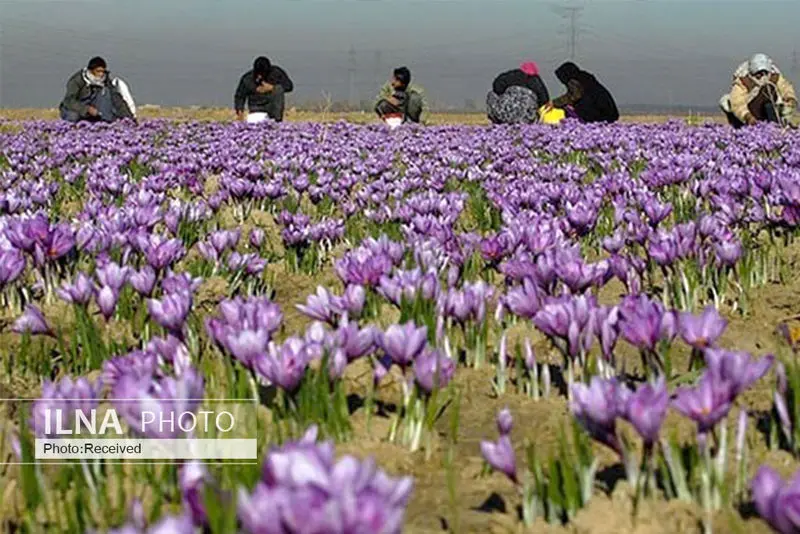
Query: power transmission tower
[[571, 13], [351, 77]]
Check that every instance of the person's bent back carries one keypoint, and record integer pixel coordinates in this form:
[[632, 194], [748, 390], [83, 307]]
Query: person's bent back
[[516, 96], [262, 91], [586, 97], [94, 95]]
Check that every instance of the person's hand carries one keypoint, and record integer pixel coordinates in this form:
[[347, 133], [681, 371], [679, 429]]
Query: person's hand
[[548, 106], [92, 111], [265, 87], [240, 115], [393, 101], [750, 120]]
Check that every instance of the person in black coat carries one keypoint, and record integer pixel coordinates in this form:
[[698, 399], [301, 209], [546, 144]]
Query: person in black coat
[[516, 95], [586, 97], [262, 90]]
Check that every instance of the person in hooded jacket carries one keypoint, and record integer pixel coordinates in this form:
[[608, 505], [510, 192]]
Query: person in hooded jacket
[[759, 93], [586, 98], [93, 95], [516, 95]]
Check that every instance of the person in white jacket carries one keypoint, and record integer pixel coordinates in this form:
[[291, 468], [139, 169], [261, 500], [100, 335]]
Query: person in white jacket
[[759, 93], [94, 95]]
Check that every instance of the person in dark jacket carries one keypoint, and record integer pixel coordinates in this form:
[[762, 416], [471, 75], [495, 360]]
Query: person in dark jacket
[[263, 91], [516, 95], [586, 98], [94, 95], [399, 99]]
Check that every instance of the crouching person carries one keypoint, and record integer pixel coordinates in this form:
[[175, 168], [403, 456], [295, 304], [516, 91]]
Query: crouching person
[[262, 90], [94, 95], [760, 93], [399, 101]]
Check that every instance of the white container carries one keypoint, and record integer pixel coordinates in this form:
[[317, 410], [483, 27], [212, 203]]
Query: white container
[[255, 118]]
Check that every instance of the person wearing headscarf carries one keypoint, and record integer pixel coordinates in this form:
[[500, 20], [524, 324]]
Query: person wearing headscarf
[[759, 92], [94, 95], [262, 90], [400, 101], [516, 95], [586, 98]]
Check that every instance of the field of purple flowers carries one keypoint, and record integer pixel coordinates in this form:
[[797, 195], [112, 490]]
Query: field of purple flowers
[[465, 329]]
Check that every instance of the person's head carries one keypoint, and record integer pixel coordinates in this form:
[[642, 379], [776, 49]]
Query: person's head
[[401, 77], [97, 66], [759, 65], [530, 68], [261, 67], [566, 72]]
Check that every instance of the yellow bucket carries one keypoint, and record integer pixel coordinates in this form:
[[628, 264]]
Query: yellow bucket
[[552, 116]]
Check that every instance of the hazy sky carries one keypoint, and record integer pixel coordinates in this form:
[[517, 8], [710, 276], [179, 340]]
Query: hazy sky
[[192, 52]]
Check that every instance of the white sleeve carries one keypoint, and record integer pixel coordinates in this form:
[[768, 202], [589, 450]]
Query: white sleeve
[[125, 92]]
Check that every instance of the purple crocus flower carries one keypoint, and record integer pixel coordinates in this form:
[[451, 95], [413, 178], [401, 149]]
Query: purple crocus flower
[[309, 490], [356, 343], [776, 501], [707, 403], [171, 311], [737, 368], [505, 422], [67, 396], [161, 253], [433, 370], [113, 276], [701, 331], [500, 456], [191, 480], [256, 237], [143, 281], [284, 365], [207, 251], [643, 323], [402, 343], [246, 327], [106, 298], [58, 244], [172, 351], [12, 263], [351, 302], [728, 252], [646, 409], [33, 322], [614, 243], [320, 306], [524, 301], [183, 282], [79, 292], [597, 406], [138, 364], [168, 397]]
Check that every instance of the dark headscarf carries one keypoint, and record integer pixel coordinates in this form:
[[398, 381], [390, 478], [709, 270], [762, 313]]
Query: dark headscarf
[[568, 71]]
